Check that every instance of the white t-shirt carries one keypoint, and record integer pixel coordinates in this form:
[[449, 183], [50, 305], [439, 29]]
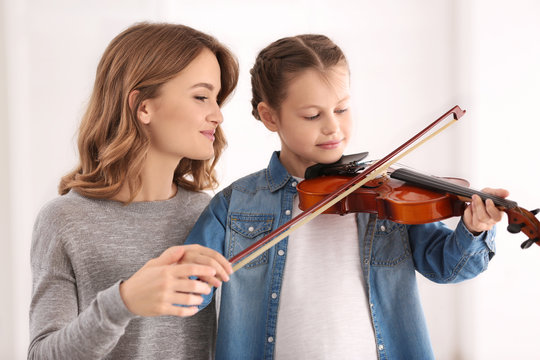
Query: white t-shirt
[[323, 308]]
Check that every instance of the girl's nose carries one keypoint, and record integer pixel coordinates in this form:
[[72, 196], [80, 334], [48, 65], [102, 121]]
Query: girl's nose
[[330, 125]]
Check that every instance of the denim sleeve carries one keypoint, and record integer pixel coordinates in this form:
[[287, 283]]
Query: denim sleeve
[[209, 231], [446, 256]]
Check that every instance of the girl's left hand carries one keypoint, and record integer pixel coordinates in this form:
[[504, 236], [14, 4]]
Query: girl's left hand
[[480, 216]]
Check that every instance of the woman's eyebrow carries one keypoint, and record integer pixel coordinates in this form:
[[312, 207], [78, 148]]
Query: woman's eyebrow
[[204, 85]]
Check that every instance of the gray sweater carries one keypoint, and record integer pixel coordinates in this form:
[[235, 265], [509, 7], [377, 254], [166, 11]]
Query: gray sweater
[[81, 249]]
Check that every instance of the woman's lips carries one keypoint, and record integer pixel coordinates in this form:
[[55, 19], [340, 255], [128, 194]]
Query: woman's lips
[[330, 144], [209, 134]]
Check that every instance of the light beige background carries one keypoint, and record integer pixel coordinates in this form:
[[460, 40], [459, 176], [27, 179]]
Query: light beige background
[[410, 62]]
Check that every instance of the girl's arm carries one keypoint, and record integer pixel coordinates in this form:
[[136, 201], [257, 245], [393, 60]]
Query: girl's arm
[[446, 256]]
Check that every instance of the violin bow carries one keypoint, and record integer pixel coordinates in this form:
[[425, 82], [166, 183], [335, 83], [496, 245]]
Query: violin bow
[[251, 252]]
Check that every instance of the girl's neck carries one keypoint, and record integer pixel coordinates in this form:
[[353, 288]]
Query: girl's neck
[[294, 164]]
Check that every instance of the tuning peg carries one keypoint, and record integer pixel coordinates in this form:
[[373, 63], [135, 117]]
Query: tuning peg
[[515, 228], [535, 211], [527, 243]]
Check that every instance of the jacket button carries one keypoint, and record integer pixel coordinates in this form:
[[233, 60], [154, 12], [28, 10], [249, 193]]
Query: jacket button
[[381, 347], [274, 295], [287, 212], [281, 252], [251, 228], [270, 339], [294, 184], [383, 228]]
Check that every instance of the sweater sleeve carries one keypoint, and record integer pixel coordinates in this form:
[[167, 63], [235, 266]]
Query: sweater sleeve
[[59, 329]]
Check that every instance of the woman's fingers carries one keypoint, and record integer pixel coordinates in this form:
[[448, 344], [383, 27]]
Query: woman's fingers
[[207, 274], [205, 256]]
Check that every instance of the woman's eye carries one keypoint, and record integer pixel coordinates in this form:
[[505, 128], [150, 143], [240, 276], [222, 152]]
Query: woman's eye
[[312, 117], [340, 111], [201, 98]]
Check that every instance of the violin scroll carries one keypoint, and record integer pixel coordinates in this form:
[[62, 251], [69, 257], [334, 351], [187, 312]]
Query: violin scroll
[[521, 220]]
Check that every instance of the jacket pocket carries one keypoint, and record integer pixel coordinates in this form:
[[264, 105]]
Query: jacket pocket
[[246, 229], [390, 244]]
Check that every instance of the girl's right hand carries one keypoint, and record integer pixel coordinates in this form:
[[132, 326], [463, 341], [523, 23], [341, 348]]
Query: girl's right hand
[[163, 282]]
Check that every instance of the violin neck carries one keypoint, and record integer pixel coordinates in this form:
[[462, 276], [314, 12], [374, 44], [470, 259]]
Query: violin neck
[[439, 184]]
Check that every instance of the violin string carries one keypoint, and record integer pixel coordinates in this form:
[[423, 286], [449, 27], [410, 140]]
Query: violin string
[[441, 184]]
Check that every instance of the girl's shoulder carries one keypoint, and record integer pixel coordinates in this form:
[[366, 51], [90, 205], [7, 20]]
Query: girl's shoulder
[[251, 182]]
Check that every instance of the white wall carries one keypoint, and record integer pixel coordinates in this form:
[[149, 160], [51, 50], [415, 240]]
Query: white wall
[[410, 60]]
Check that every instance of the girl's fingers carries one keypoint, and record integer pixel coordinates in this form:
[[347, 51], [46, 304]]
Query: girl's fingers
[[480, 214], [494, 213]]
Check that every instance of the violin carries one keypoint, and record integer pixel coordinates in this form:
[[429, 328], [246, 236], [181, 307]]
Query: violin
[[366, 179], [405, 196]]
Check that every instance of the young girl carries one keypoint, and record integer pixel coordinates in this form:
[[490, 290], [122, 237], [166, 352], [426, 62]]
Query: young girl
[[148, 144], [340, 287]]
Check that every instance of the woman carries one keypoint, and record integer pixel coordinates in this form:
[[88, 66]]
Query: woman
[[148, 144]]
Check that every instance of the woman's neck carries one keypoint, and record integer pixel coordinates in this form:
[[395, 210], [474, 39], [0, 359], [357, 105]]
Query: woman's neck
[[157, 178]]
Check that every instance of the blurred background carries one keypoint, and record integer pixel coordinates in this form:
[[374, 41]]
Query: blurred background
[[410, 60]]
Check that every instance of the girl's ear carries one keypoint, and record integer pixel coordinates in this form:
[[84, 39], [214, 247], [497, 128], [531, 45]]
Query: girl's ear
[[143, 113], [268, 116]]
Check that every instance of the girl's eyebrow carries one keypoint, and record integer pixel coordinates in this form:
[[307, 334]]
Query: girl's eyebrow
[[344, 99], [316, 106]]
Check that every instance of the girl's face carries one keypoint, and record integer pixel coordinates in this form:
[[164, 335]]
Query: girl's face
[[314, 123], [183, 118]]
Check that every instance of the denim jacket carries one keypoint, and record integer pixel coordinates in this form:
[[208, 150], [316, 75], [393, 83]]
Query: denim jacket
[[259, 203]]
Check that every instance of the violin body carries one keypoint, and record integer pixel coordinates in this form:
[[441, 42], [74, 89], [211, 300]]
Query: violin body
[[389, 198]]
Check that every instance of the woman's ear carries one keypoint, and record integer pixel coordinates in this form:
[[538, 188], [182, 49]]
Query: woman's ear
[[143, 113], [268, 116]]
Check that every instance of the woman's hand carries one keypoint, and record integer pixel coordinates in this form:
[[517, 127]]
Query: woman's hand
[[163, 282], [197, 254], [480, 216]]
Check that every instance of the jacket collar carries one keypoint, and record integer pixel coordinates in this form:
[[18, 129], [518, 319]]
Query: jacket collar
[[276, 174]]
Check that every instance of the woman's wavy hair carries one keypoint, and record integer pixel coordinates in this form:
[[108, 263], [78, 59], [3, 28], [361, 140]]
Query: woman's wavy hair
[[277, 65], [112, 142]]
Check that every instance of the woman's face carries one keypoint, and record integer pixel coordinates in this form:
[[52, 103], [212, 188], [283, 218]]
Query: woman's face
[[314, 122], [183, 118]]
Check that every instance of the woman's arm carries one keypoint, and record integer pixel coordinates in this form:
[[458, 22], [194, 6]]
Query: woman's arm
[[59, 329]]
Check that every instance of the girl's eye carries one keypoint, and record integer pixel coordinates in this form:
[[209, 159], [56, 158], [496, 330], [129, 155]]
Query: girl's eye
[[312, 117], [201, 98], [340, 111]]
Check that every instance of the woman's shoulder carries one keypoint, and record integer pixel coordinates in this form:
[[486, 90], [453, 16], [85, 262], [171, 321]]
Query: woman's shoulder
[[62, 205], [60, 211]]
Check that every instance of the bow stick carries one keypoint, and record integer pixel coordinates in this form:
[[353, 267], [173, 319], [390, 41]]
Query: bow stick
[[251, 252]]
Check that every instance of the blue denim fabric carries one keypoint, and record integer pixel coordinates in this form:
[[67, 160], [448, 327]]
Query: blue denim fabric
[[255, 205]]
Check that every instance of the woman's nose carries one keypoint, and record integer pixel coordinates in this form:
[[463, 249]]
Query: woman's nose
[[215, 115]]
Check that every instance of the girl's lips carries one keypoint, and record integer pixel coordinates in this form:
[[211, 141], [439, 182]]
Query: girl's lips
[[330, 144], [209, 134]]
